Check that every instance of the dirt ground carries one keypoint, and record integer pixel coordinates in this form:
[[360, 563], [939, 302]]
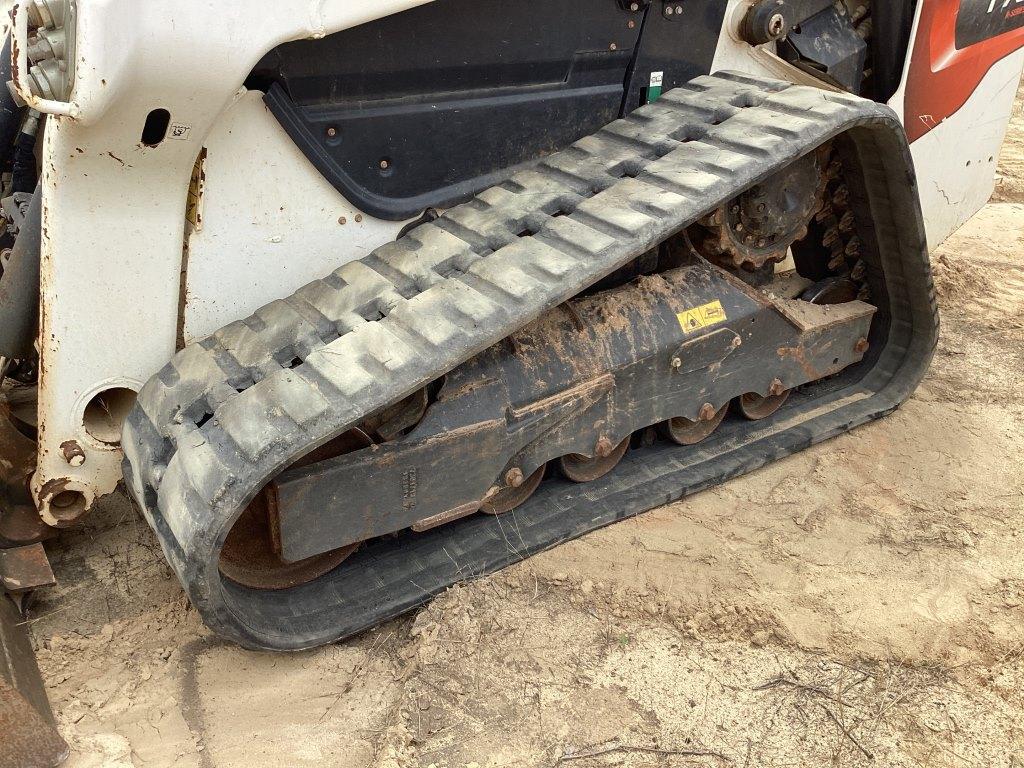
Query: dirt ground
[[859, 603]]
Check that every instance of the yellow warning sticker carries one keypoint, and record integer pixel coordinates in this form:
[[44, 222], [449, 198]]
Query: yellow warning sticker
[[703, 316]]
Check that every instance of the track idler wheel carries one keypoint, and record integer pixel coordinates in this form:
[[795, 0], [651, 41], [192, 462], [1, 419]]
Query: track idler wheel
[[584, 469], [251, 558], [755, 407], [516, 490], [251, 553], [683, 431]]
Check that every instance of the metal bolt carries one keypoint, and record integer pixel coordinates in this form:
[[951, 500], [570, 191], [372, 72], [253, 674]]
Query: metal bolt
[[613, 47], [679, 10], [514, 477], [604, 448], [707, 412], [668, 10], [676, 362], [737, 341], [342, 220], [631, 24], [359, 217], [776, 388], [861, 346], [776, 25], [384, 164], [332, 132], [73, 453], [634, 7]]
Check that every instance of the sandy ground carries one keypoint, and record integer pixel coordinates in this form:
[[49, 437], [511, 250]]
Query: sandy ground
[[860, 603]]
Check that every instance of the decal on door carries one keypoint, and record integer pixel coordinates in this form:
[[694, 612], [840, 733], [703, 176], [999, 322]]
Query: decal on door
[[984, 19], [957, 42]]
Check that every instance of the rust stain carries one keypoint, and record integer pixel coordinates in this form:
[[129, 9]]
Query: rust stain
[[799, 354]]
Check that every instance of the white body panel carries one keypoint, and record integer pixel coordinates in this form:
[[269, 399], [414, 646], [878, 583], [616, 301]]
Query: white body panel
[[267, 228], [955, 160], [114, 209]]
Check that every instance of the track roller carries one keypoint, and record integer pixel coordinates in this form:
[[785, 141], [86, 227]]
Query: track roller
[[517, 490], [683, 431], [584, 469], [756, 407]]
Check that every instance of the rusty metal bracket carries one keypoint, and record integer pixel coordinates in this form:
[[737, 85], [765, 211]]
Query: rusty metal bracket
[[23, 569], [28, 733], [20, 523]]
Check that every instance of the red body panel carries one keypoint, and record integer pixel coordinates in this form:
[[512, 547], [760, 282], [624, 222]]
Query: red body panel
[[942, 76]]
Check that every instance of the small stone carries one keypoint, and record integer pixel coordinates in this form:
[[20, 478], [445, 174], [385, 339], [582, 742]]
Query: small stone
[[759, 638], [587, 587]]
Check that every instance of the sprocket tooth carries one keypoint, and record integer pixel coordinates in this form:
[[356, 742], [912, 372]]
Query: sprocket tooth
[[837, 263], [852, 249]]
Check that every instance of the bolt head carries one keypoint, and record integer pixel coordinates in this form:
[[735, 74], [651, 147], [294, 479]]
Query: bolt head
[[384, 164], [776, 25], [613, 47], [707, 412], [604, 448], [669, 10], [514, 477], [634, 7], [73, 453], [677, 362], [776, 388], [332, 132]]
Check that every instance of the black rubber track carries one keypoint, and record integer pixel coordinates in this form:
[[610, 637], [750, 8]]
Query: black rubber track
[[227, 414]]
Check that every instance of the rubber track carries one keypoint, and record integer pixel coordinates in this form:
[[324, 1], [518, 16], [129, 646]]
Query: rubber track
[[227, 414]]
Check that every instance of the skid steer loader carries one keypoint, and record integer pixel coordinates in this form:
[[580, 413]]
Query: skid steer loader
[[360, 298]]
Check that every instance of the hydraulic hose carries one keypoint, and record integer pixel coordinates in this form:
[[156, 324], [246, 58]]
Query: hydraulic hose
[[10, 113], [19, 287]]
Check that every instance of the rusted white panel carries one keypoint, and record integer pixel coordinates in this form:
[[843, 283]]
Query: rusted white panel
[[270, 222], [114, 210]]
